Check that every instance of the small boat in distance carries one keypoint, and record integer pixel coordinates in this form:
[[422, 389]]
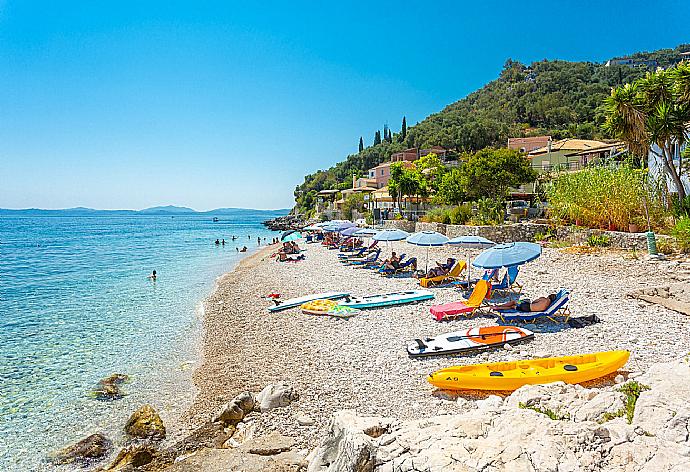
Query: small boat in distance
[[215, 218]]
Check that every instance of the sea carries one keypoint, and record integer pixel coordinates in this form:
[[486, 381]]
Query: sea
[[76, 306]]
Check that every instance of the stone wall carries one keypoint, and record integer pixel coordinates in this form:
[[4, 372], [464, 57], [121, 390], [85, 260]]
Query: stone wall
[[527, 232], [404, 225]]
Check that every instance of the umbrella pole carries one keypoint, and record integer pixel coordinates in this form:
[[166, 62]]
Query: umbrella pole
[[469, 269], [427, 260]]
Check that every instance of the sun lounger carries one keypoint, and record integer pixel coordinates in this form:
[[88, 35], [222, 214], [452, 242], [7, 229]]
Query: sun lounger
[[508, 283], [373, 257], [404, 268], [467, 308], [488, 275], [557, 312], [452, 274]]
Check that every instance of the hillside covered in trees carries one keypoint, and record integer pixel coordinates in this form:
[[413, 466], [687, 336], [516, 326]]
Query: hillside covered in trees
[[558, 98]]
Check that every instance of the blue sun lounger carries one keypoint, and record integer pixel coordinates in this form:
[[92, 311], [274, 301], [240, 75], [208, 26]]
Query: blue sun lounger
[[557, 312], [509, 284], [403, 269]]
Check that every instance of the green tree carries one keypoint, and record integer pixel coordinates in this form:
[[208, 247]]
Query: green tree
[[377, 138], [403, 131], [451, 190], [394, 190], [654, 110], [491, 172], [353, 201], [361, 144]]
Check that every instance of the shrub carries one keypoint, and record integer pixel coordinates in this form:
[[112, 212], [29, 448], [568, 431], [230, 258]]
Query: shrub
[[681, 232], [598, 240], [437, 215], [460, 215], [597, 196], [489, 212]]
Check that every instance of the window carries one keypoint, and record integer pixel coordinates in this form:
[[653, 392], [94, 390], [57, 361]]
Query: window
[[381, 171]]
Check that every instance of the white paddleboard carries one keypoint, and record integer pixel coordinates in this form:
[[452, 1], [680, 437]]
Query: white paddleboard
[[293, 302], [469, 341], [397, 298]]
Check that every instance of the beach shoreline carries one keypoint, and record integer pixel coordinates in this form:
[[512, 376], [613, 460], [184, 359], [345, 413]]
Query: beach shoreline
[[361, 363]]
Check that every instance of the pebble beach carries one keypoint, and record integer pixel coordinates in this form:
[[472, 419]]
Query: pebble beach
[[361, 363]]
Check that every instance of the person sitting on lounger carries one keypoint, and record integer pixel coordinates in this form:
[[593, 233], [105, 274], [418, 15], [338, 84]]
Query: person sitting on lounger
[[525, 306], [440, 269], [391, 263]]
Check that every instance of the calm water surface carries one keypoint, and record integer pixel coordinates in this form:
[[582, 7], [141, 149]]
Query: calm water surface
[[75, 306]]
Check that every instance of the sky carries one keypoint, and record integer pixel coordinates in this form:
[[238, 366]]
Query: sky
[[126, 105]]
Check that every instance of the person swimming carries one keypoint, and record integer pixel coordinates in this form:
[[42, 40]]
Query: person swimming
[[223, 242], [217, 242], [244, 249], [152, 276]]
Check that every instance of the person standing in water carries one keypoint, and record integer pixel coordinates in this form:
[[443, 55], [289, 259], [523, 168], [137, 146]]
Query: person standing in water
[[152, 276]]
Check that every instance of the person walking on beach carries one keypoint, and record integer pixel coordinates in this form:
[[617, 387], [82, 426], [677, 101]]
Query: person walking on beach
[[152, 276]]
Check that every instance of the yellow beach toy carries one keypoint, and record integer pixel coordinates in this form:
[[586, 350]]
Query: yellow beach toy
[[512, 375], [318, 307]]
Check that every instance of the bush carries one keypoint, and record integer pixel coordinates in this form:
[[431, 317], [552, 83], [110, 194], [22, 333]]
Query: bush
[[437, 215], [681, 232], [460, 215], [489, 212], [597, 196], [598, 240], [681, 208]]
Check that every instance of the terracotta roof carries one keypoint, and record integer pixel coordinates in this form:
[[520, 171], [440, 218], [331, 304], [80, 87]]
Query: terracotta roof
[[570, 145]]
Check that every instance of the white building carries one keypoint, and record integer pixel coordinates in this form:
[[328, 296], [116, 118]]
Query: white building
[[656, 167]]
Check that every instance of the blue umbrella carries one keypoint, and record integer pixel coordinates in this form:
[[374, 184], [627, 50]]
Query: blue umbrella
[[349, 231], [365, 232], [471, 242], [391, 234], [506, 255], [428, 239], [337, 226], [290, 235]]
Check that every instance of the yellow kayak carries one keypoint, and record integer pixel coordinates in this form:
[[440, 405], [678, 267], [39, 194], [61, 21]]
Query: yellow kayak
[[513, 375]]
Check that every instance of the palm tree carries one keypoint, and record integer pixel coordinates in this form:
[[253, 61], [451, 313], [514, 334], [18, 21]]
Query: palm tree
[[653, 110]]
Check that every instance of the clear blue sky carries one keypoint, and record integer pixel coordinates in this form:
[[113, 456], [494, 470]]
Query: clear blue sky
[[217, 104]]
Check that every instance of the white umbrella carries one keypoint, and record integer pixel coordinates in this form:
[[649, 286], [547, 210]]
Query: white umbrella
[[471, 242], [428, 239]]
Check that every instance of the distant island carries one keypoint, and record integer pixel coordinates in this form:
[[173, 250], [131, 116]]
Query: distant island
[[157, 210]]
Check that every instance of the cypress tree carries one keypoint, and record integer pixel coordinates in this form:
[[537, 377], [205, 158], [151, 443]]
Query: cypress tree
[[377, 138], [403, 131], [361, 144]]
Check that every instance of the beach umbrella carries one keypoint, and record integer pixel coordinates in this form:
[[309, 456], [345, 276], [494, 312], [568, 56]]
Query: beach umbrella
[[312, 228], [507, 255], [290, 235], [337, 226], [391, 234], [367, 232], [428, 239], [350, 232], [471, 242]]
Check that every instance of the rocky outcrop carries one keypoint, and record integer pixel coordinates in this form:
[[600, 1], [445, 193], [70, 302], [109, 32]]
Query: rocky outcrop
[[275, 396], [553, 428], [109, 388], [234, 411], [675, 297], [283, 223], [89, 449], [132, 457], [145, 423]]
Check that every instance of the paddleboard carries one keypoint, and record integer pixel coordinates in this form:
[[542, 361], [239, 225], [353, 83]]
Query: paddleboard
[[387, 299], [469, 341], [508, 376], [294, 302]]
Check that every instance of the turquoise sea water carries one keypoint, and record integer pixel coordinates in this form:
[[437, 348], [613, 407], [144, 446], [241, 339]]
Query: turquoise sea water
[[76, 305]]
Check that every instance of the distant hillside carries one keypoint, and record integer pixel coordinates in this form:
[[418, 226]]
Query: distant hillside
[[558, 98], [154, 211], [167, 209]]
